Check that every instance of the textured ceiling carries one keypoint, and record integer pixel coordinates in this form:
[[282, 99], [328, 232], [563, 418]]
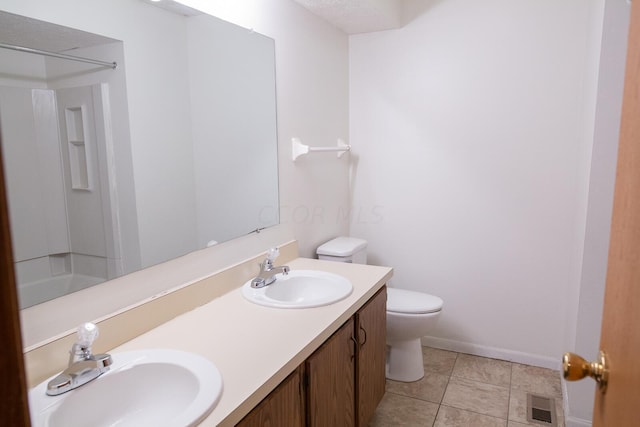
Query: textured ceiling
[[357, 16]]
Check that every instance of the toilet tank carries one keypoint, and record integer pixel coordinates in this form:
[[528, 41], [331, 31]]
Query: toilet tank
[[344, 249]]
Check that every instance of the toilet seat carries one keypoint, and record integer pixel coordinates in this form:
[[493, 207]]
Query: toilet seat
[[411, 302]]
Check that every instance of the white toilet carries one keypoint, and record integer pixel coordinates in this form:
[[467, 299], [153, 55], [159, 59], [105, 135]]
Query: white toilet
[[410, 314]]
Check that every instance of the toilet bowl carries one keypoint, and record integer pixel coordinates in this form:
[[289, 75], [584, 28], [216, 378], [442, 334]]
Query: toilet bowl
[[410, 314]]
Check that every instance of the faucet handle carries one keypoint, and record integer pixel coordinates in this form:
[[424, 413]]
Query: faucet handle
[[81, 350], [272, 254], [87, 334]]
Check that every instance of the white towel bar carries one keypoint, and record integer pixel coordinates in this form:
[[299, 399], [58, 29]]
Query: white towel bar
[[298, 148]]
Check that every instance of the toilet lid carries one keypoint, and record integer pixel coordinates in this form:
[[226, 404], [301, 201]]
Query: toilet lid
[[411, 302], [341, 246]]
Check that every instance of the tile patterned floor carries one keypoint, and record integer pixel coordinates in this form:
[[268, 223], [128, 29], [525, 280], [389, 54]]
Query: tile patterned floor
[[460, 390]]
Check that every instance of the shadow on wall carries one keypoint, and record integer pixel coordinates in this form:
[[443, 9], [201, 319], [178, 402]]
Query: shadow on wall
[[412, 9], [353, 174]]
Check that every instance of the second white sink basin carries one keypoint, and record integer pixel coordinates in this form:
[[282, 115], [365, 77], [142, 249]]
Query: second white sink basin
[[155, 387], [300, 289]]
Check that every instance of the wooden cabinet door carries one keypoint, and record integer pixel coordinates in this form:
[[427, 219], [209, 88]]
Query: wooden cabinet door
[[282, 408], [331, 377], [371, 330]]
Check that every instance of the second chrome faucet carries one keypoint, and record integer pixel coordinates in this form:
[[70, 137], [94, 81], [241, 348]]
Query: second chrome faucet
[[268, 271]]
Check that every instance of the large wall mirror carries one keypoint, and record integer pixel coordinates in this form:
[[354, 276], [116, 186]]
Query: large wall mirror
[[110, 170]]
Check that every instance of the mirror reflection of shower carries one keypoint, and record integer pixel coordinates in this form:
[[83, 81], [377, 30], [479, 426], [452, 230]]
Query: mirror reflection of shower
[[57, 141], [60, 205]]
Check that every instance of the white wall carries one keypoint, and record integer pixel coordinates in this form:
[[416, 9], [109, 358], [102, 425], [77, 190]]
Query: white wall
[[471, 126], [586, 334]]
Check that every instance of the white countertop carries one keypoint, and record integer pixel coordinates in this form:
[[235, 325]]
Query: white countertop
[[256, 347]]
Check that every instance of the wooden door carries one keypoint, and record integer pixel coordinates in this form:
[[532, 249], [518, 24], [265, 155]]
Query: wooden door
[[620, 336], [14, 410], [282, 408], [330, 375], [371, 330]]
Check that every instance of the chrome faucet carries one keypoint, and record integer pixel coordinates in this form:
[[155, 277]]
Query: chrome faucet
[[83, 365], [268, 271]]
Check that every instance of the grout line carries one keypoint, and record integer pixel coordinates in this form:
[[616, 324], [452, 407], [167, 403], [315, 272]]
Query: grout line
[[449, 377], [445, 388], [436, 417]]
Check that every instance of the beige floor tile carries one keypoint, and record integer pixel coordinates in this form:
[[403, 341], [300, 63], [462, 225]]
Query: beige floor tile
[[430, 388], [473, 391], [545, 382], [491, 371], [518, 409], [454, 417], [487, 399], [395, 410], [438, 361]]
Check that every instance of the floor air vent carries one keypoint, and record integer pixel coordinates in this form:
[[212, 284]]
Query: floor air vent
[[541, 410]]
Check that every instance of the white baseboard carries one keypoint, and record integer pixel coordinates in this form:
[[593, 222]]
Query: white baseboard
[[565, 400], [576, 422], [493, 352], [570, 421]]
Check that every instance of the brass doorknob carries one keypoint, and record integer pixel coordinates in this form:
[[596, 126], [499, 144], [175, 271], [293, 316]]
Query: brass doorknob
[[576, 368]]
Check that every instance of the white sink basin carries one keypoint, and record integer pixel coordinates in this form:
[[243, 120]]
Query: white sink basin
[[300, 289], [156, 387]]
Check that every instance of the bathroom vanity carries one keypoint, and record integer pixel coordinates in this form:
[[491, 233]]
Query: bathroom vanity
[[312, 366], [340, 384]]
